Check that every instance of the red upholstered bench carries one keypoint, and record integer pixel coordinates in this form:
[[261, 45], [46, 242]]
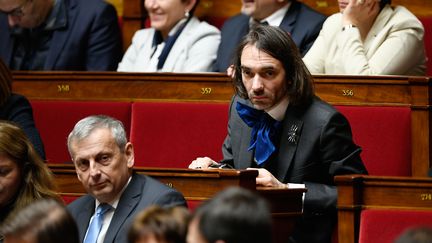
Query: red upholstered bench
[[386, 225], [56, 119], [384, 133], [172, 134]]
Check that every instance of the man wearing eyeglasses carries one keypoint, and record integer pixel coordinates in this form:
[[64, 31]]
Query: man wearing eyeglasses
[[59, 35]]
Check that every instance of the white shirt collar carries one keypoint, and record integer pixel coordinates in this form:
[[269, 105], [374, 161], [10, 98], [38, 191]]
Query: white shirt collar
[[278, 110], [276, 18]]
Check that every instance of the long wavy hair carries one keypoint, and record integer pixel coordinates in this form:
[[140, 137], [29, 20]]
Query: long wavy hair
[[37, 179], [5, 83], [278, 44]]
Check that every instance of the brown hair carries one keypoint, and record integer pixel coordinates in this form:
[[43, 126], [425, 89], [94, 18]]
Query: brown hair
[[278, 44], [44, 221], [5, 83], [166, 224], [37, 180]]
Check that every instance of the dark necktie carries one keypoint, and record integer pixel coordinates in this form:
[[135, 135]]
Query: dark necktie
[[264, 130], [96, 224]]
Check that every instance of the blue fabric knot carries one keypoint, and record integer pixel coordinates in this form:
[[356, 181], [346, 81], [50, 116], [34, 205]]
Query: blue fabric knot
[[264, 131]]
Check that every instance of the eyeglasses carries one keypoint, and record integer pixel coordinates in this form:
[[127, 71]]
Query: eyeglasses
[[18, 11]]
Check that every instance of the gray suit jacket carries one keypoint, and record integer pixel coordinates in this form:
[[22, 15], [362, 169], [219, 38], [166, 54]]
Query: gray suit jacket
[[141, 192], [322, 148]]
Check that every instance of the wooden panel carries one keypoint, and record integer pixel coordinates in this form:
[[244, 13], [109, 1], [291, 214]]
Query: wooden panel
[[199, 185], [413, 92], [357, 192]]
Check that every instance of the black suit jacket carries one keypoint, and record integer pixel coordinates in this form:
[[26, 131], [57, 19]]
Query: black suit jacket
[[323, 148], [91, 40], [302, 22], [18, 110], [141, 192]]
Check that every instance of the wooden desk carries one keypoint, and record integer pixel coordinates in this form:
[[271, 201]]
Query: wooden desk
[[286, 204], [406, 91], [358, 192]]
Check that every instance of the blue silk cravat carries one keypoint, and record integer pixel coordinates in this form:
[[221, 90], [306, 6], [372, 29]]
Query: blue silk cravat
[[96, 224], [264, 130]]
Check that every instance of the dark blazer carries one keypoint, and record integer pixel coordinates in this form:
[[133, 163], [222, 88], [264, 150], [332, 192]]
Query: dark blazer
[[302, 22], [18, 110], [322, 148], [141, 192], [91, 40]]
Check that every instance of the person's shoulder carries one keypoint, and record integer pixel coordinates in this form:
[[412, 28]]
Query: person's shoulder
[[320, 110], [235, 20], [202, 27], [401, 16], [93, 7], [144, 33], [312, 13], [151, 183], [90, 4], [79, 204], [156, 189], [17, 100]]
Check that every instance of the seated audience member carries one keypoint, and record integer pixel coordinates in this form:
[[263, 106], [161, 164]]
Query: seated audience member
[[24, 177], [104, 160], [59, 35], [16, 108], [160, 225], [369, 37], [279, 127], [176, 42], [302, 22], [234, 215], [43, 221], [416, 235]]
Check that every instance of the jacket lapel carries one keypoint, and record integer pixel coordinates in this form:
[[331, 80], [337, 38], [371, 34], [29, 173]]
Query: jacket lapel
[[83, 218], [291, 132], [60, 37], [128, 202], [290, 17]]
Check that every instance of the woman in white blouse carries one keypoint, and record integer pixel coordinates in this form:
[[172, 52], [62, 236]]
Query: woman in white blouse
[[369, 37], [176, 42]]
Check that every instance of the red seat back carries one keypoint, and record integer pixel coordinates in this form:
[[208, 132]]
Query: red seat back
[[386, 225], [384, 133], [171, 134], [56, 119]]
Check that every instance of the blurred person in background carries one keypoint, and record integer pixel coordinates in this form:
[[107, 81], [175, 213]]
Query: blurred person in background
[[176, 42], [369, 37], [59, 35]]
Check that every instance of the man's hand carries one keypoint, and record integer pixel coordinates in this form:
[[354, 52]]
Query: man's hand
[[265, 178], [202, 163], [231, 71]]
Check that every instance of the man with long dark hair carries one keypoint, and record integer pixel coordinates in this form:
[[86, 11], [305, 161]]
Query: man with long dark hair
[[278, 126]]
